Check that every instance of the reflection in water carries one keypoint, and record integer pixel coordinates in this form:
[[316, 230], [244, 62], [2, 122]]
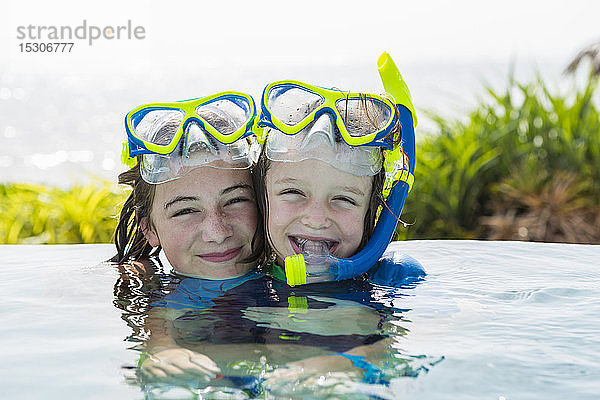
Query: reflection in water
[[256, 337]]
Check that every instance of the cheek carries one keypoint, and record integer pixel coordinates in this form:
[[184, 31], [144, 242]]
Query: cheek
[[281, 214], [352, 226], [176, 234], [245, 220]]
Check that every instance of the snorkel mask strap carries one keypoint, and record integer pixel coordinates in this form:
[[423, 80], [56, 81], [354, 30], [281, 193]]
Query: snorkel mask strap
[[360, 263], [126, 157]]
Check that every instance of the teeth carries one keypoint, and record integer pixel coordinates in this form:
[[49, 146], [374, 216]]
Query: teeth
[[313, 247], [316, 247]]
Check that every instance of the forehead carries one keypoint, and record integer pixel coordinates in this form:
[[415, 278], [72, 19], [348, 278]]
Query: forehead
[[317, 174], [205, 183]]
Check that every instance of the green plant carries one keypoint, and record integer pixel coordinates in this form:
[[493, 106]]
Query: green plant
[[46, 215], [451, 178], [464, 170], [539, 206]]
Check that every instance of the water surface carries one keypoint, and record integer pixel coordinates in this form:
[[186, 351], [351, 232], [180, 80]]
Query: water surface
[[492, 320]]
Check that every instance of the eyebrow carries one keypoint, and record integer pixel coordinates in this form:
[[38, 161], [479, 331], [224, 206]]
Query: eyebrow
[[196, 198], [350, 189], [287, 180], [236, 187]]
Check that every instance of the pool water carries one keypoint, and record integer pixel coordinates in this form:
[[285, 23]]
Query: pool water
[[492, 320]]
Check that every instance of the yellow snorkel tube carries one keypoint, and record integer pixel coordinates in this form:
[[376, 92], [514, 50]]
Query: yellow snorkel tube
[[301, 270], [394, 84]]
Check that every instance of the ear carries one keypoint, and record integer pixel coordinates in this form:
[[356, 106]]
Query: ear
[[149, 232]]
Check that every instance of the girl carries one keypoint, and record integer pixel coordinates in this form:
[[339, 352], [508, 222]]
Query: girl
[[191, 181], [193, 199], [329, 160]]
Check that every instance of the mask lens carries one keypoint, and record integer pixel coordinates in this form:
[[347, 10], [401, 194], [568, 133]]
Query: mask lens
[[291, 104], [364, 116], [197, 150], [226, 115], [159, 168], [156, 126], [317, 141], [203, 149]]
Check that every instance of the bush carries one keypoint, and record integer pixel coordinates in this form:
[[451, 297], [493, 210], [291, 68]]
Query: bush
[[489, 177], [37, 214]]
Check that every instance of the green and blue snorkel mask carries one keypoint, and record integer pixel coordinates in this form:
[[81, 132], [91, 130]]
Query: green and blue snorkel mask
[[173, 138], [347, 131]]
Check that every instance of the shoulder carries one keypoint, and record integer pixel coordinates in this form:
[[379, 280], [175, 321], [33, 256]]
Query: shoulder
[[396, 269]]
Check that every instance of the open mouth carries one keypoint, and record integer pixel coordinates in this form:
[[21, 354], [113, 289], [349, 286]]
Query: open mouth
[[315, 246]]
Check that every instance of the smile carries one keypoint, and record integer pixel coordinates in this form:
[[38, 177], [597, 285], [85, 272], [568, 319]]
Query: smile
[[313, 245], [221, 257]]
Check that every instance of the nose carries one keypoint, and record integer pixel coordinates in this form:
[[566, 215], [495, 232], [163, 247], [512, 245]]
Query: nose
[[215, 227], [316, 215]]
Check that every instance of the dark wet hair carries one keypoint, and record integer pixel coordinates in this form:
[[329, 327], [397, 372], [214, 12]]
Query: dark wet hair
[[129, 238]]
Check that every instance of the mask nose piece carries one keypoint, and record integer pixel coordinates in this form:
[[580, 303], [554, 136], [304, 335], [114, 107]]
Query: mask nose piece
[[197, 142], [320, 134]]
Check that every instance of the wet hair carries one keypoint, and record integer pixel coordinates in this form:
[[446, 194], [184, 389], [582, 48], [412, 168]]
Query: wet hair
[[130, 241], [376, 200]]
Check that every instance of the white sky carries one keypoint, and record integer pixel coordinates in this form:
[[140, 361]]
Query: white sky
[[63, 108], [211, 34]]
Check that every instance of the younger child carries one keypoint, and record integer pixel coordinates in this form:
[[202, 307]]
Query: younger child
[[328, 161]]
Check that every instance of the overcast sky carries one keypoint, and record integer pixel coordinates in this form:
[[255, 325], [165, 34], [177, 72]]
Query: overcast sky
[[63, 112], [271, 34]]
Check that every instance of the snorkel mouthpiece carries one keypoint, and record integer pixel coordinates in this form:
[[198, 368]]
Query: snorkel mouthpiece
[[298, 267], [295, 270], [311, 265]]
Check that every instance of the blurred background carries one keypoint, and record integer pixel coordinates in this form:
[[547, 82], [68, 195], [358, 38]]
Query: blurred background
[[508, 141]]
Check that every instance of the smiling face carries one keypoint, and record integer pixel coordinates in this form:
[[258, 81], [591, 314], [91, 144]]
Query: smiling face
[[314, 206], [205, 222]]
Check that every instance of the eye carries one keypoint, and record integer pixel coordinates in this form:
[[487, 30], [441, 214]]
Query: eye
[[185, 211], [292, 193], [236, 200], [345, 200]]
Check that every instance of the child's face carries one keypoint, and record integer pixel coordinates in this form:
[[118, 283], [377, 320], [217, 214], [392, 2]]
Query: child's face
[[205, 222], [312, 200]]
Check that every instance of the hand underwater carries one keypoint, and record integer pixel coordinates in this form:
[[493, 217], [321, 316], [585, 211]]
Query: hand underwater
[[179, 363]]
